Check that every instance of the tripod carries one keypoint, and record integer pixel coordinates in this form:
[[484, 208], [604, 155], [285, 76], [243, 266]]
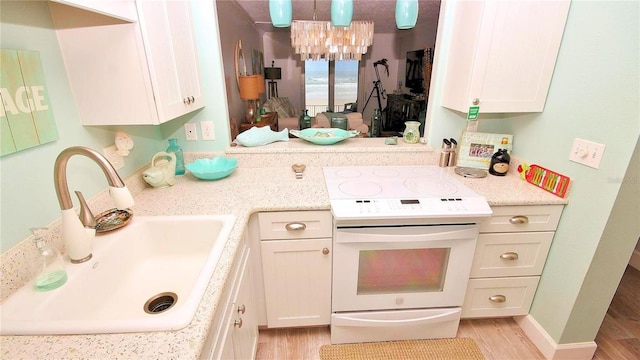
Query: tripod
[[377, 85], [380, 93]]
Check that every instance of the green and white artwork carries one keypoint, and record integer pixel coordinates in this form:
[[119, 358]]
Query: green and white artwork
[[26, 116]]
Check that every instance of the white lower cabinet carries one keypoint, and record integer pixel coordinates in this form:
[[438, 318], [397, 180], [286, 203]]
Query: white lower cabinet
[[510, 255], [234, 334], [296, 264]]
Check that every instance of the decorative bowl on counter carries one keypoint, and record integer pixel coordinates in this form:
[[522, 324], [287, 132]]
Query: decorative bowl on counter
[[324, 136], [212, 169]]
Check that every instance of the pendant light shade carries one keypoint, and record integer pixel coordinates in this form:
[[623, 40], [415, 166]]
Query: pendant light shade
[[406, 13], [341, 12], [281, 12]]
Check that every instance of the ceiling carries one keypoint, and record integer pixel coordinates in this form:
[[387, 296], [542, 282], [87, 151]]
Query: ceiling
[[382, 12]]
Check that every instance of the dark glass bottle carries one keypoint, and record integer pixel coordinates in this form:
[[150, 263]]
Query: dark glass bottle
[[500, 163], [305, 120], [177, 151], [376, 121]]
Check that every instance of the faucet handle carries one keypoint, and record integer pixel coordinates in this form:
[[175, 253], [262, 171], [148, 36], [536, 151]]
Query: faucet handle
[[121, 197], [86, 217]]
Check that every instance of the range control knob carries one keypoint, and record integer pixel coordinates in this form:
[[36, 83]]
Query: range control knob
[[399, 301]]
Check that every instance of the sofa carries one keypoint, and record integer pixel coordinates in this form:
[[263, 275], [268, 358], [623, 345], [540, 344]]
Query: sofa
[[287, 114]]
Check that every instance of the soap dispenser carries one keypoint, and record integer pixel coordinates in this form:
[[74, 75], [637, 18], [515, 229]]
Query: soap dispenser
[[50, 273]]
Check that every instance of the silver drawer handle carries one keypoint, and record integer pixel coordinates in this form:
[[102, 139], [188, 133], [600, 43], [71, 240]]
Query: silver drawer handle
[[237, 323], [325, 251], [520, 219], [241, 309], [296, 226], [509, 256], [498, 298]]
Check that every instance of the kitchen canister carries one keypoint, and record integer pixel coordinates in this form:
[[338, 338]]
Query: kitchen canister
[[411, 133], [500, 163], [445, 153]]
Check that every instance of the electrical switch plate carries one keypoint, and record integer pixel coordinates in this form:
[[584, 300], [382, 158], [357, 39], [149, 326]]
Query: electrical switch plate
[[587, 152], [190, 131], [111, 153], [207, 130]]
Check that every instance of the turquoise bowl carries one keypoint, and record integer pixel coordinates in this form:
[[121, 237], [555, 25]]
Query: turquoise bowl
[[212, 169]]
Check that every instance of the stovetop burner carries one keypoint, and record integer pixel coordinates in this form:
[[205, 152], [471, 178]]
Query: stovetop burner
[[391, 182], [366, 192]]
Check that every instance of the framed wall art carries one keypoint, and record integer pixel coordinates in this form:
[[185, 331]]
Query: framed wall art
[[476, 148], [26, 116], [257, 62]]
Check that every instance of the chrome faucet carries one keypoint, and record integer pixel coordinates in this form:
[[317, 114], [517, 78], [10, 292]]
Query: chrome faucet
[[78, 232]]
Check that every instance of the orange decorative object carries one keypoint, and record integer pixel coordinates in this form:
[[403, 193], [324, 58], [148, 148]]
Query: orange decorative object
[[548, 180]]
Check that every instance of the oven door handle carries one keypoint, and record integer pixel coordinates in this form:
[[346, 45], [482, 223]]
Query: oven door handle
[[345, 320]]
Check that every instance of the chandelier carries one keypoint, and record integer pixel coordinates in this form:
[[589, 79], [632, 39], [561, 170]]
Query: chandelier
[[315, 40], [338, 39]]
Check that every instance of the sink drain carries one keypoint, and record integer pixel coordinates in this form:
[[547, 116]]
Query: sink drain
[[160, 303]]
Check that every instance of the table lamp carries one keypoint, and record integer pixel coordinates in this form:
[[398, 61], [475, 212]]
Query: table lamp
[[250, 87], [273, 73]]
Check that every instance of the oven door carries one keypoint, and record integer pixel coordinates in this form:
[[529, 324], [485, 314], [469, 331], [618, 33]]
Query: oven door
[[401, 267]]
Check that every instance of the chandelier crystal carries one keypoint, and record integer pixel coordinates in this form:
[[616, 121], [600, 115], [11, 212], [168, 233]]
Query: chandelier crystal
[[316, 40]]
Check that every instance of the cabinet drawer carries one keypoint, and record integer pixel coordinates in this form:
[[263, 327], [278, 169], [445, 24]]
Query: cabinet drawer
[[499, 297], [511, 254], [295, 225], [523, 218]]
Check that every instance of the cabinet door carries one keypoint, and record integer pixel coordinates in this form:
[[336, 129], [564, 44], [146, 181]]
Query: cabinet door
[[503, 53], [168, 39], [297, 281], [245, 332]]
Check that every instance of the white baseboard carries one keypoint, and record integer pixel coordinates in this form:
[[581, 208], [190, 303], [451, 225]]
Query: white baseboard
[[549, 348], [635, 259]]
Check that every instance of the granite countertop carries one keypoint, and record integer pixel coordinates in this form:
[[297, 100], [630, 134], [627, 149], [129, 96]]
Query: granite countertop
[[261, 183]]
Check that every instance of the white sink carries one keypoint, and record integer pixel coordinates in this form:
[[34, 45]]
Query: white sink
[[150, 256]]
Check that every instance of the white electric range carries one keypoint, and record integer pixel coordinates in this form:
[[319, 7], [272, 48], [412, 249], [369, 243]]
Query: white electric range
[[401, 192], [403, 244]]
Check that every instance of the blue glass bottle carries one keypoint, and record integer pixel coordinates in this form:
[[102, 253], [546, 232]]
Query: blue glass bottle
[[177, 150]]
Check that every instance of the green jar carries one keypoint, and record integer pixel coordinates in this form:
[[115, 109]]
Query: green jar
[[411, 133]]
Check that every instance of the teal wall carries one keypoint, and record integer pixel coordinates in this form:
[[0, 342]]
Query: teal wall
[[27, 194], [594, 95]]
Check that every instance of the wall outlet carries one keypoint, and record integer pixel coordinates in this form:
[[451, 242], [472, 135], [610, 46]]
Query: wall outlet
[[207, 130], [190, 131], [586, 152], [111, 153]]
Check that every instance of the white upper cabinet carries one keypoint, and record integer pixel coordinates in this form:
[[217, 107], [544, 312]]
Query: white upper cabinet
[[124, 73], [502, 54], [118, 9]]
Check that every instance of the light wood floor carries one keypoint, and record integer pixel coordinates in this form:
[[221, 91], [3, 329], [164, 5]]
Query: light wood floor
[[498, 339], [619, 335]]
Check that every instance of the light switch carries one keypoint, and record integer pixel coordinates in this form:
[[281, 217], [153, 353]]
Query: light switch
[[208, 132], [587, 153]]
